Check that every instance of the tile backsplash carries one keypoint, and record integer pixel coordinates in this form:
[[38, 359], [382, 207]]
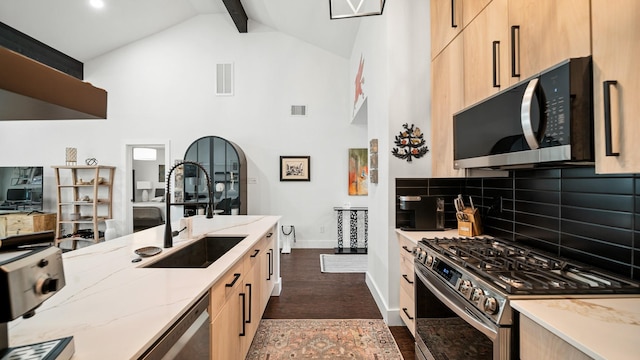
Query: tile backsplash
[[570, 212]]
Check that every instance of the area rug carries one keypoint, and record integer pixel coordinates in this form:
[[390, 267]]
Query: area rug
[[343, 263], [323, 339]]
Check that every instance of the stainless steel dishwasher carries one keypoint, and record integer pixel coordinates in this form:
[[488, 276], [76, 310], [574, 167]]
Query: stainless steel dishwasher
[[189, 338]]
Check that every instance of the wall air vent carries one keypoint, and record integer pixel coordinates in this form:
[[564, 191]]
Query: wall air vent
[[224, 79], [298, 110]]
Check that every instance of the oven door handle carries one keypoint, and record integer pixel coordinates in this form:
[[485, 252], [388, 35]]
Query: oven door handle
[[458, 306]]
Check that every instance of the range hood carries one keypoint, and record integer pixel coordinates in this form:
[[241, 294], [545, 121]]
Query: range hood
[[30, 90]]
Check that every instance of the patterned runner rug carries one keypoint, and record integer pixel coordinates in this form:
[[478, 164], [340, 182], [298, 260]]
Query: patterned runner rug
[[323, 339]]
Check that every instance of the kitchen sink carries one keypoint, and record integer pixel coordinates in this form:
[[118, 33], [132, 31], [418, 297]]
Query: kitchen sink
[[199, 254]]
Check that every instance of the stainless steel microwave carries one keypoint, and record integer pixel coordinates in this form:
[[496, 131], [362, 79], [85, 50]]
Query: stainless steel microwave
[[544, 120]]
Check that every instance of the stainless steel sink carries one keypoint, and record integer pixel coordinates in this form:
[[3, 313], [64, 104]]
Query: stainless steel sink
[[199, 254]]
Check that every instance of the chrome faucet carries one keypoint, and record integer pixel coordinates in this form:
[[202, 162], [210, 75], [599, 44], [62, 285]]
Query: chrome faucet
[[168, 234]]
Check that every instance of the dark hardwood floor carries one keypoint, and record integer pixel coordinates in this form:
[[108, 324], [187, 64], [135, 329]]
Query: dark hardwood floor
[[308, 293]]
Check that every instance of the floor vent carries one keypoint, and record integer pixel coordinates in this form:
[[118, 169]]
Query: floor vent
[[298, 110]]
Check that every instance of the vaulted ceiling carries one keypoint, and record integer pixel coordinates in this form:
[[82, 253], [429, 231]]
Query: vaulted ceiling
[[83, 32]]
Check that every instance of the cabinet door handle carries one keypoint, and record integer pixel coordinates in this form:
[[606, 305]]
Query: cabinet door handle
[[257, 251], [250, 292], [269, 253], [244, 314], [607, 117], [453, 14], [269, 234], [406, 278], [407, 313], [515, 51], [235, 278], [406, 249], [496, 64]]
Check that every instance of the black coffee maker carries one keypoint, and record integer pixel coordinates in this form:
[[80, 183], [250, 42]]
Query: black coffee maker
[[426, 213]]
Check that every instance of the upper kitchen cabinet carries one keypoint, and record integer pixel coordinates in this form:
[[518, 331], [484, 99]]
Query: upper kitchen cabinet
[[485, 53], [447, 91], [448, 18], [544, 33], [616, 48]]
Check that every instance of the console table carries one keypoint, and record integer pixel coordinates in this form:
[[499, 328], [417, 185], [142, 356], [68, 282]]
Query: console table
[[353, 230]]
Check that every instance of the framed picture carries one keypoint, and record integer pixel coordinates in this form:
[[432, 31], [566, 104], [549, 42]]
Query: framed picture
[[295, 168], [358, 172]]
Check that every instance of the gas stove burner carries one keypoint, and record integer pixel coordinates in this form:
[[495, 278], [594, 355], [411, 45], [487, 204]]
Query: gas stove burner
[[521, 270]]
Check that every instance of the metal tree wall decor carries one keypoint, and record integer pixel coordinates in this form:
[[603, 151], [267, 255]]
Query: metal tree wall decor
[[410, 143]]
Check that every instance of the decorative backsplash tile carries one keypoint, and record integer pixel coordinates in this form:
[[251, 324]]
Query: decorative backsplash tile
[[571, 212]]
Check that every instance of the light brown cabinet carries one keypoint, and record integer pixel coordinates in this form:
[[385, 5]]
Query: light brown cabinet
[[227, 323], [84, 196], [448, 18], [268, 267], [485, 55], [616, 48], [239, 299], [25, 223], [544, 33], [538, 343], [447, 91], [407, 278], [512, 40]]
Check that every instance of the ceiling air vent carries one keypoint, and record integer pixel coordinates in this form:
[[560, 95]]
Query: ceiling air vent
[[224, 79], [298, 110]]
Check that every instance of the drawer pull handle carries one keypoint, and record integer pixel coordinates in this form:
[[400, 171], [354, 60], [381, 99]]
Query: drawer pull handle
[[235, 278], [407, 313], [250, 295], [607, 117], [257, 251], [453, 14], [515, 51], [406, 249], [496, 64], [244, 314], [406, 278]]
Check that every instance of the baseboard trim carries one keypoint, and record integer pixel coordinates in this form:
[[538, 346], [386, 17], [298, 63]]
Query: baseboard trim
[[390, 316]]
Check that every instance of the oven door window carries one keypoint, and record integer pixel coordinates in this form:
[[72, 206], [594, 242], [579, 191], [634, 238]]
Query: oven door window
[[444, 334]]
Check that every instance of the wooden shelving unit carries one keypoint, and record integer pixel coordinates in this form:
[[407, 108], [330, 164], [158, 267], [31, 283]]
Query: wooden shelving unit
[[84, 201]]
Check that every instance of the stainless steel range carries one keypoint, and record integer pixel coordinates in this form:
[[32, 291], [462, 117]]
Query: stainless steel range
[[465, 285]]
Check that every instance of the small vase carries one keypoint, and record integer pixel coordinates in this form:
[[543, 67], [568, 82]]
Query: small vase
[[110, 232]]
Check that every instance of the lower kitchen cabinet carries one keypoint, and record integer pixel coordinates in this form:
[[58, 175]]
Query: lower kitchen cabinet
[[407, 291], [239, 299], [227, 302], [538, 343], [267, 267]]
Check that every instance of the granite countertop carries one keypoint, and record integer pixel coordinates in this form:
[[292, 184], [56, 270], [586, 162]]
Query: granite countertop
[[115, 309], [602, 328]]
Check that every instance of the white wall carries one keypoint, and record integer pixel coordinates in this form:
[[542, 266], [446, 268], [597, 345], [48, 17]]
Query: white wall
[[396, 47], [162, 87]]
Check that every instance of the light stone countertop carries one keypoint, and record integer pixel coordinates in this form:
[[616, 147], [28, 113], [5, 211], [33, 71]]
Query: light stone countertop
[[602, 328], [115, 309], [415, 236]]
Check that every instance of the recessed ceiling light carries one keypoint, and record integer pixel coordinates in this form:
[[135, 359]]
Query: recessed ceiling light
[[98, 4]]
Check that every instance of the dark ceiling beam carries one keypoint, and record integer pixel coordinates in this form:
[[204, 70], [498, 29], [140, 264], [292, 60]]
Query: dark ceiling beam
[[238, 15], [24, 44]]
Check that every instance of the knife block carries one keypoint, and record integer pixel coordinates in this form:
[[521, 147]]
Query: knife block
[[473, 227]]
